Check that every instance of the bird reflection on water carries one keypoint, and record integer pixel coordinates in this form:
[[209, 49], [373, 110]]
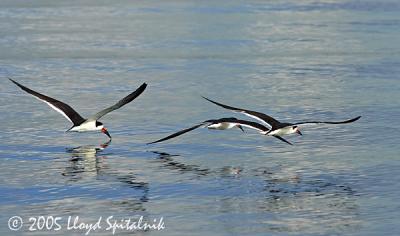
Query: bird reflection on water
[[321, 198], [88, 151], [278, 190], [85, 159], [169, 162], [89, 161]]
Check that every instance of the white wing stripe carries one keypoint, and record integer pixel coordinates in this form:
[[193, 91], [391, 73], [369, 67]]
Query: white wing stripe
[[59, 111], [257, 118], [55, 108]]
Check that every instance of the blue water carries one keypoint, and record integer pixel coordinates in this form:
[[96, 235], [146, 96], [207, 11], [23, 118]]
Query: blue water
[[294, 60]]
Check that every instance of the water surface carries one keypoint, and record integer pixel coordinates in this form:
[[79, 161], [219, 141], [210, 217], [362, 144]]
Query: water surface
[[294, 60]]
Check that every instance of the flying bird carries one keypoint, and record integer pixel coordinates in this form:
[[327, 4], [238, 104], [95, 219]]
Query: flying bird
[[222, 124], [81, 124], [277, 128]]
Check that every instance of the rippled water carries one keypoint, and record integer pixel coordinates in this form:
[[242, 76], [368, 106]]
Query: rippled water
[[294, 60]]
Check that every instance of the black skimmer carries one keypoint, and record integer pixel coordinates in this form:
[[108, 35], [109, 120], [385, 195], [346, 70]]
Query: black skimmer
[[222, 124], [79, 123], [276, 127]]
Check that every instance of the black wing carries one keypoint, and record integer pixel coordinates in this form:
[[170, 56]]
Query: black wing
[[253, 114], [252, 125], [178, 133], [67, 111], [120, 103], [328, 122]]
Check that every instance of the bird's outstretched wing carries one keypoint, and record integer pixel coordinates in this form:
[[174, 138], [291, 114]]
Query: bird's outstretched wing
[[179, 133], [266, 119], [64, 109], [120, 103], [328, 122]]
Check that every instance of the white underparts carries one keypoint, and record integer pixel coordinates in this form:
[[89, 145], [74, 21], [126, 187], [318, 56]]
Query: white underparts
[[87, 126], [283, 131]]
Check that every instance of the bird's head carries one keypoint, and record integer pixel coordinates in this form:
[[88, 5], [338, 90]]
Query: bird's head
[[296, 129], [103, 129]]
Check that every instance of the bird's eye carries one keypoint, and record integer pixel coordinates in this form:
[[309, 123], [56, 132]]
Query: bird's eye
[[98, 123], [294, 127]]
